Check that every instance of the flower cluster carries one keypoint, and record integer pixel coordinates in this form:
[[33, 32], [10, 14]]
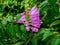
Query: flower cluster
[[34, 23]]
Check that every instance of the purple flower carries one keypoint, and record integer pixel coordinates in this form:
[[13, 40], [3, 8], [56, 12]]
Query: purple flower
[[34, 19], [23, 18]]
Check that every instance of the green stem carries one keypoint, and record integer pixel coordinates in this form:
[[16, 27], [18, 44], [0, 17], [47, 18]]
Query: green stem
[[26, 10]]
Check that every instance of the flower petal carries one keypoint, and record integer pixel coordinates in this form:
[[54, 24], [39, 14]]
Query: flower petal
[[27, 28], [34, 29]]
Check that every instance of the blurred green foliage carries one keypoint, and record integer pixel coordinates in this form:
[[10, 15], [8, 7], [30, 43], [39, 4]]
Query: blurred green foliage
[[12, 33]]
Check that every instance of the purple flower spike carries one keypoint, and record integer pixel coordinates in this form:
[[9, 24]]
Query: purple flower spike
[[34, 19]]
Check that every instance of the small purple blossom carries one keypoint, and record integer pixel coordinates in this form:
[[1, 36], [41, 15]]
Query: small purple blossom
[[34, 23], [22, 19]]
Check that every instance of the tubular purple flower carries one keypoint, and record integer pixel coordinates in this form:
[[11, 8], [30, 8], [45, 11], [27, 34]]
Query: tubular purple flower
[[34, 23], [34, 16], [34, 29]]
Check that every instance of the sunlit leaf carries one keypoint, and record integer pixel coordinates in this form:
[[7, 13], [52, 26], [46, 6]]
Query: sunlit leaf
[[4, 21], [46, 34], [10, 18], [55, 23]]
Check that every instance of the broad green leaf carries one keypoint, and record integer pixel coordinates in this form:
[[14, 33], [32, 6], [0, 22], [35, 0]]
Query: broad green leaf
[[18, 16], [43, 4], [10, 30], [42, 31], [10, 18], [21, 32], [55, 23], [16, 28], [1, 43], [55, 41], [22, 4], [4, 21], [46, 34], [34, 41], [22, 27], [18, 31]]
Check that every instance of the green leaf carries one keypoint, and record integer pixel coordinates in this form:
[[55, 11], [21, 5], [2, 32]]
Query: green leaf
[[20, 32], [55, 41], [16, 28], [22, 27], [34, 41], [10, 30], [1, 43], [19, 43], [57, 17], [46, 34], [22, 4], [52, 2], [55, 23], [42, 31], [4, 21], [18, 16], [43, 4], [1, 14], [10, 18]]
